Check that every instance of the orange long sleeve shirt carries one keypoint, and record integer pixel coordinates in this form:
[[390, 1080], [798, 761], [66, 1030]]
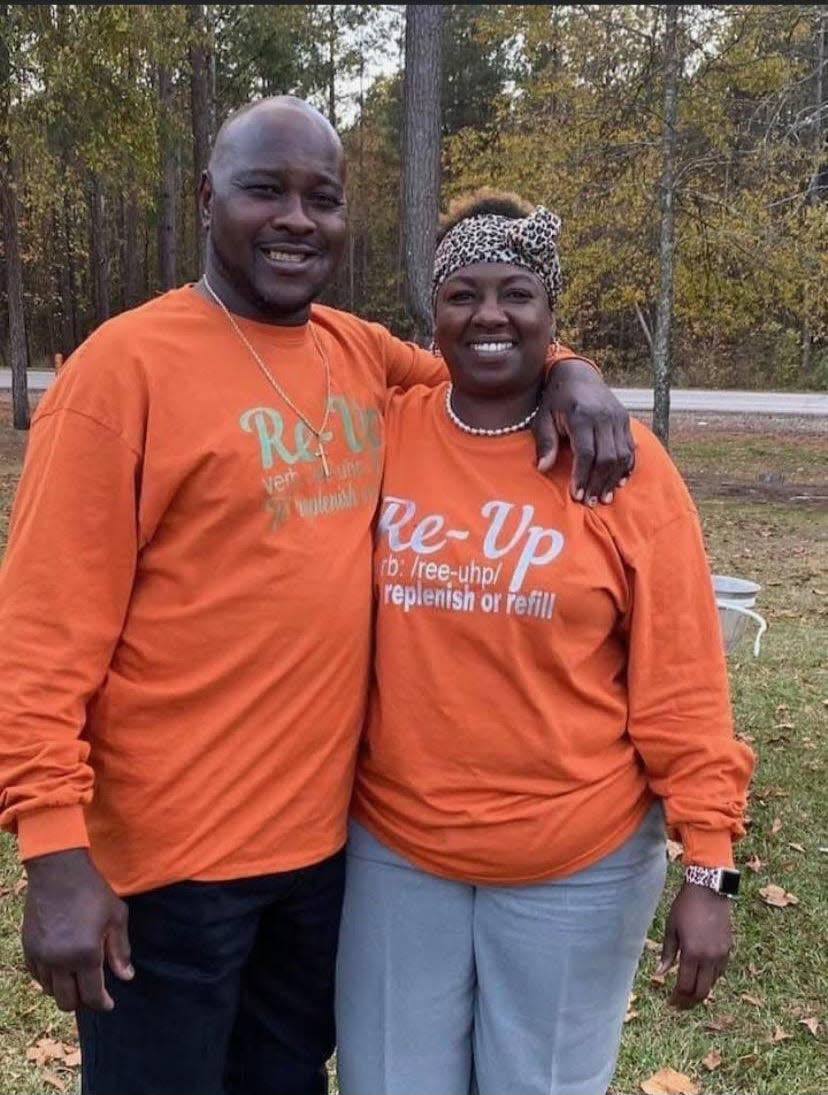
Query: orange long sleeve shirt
[[542, 670], [185, 602]]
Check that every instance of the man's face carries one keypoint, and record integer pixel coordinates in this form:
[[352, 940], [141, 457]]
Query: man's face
[[274, 201]]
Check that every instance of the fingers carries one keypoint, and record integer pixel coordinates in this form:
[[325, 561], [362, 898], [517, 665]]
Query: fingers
[[65, 991], [669, 950], [116, 946], [625, 449], [708, 974], [92, 990], [684, 995], [547, 440]]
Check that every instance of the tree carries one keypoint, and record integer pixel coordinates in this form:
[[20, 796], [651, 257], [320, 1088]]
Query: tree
[[667, 232], [420, 194], [200, 108], [168, 177], [18, 352]]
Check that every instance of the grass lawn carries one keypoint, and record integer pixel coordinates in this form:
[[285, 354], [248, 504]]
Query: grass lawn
[[761, 497]]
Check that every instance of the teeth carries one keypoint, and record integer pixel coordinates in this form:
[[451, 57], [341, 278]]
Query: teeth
[[491, 347], [285, 256]]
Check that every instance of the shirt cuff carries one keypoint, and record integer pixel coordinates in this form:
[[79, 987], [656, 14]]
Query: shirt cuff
[[56, 829], [558, 352], [706, 848]]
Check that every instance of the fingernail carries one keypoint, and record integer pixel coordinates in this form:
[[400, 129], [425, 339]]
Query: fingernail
[[607, 498], [592, 501], [579, 494], [621, 482], [129, 971]]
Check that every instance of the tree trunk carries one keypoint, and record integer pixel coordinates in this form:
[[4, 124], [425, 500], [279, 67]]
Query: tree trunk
[[70, 270], [815, 193], [662, 364], [421, 159], [167, 236], [132, 263], [98, 254], [66, 337], [332, 64], [18, 351], [200, 59]]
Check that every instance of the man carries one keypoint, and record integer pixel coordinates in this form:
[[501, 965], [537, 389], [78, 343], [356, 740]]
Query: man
[[183, 681]]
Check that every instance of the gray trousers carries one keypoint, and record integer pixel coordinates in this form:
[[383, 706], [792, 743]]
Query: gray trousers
[[446, 988]]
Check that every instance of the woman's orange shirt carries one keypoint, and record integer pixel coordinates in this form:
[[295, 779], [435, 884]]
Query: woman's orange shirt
[[542, 670]]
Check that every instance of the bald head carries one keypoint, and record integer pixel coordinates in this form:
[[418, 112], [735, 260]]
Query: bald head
[[268, 122], [273, 203]]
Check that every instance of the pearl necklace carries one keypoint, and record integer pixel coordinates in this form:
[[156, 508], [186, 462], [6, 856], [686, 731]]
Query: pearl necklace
[[479, 431], [317, 432]]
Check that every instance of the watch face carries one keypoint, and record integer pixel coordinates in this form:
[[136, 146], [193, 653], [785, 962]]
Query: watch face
[[730, 883]]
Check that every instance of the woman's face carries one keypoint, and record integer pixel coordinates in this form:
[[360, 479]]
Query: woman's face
[[493, 325]]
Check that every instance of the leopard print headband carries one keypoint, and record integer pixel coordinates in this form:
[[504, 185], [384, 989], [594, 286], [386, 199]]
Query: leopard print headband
[[528, 242]]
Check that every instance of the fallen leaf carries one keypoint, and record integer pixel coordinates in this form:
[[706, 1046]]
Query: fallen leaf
[[812, 1024], [748, 999], [669, 1082], [73, 1059], [747, 738], [712, 1060], [796, 847], [779, 1035], [658, 978], [674, 850], [753, 969], [754, 864], [749, 1059], [631, 1014], [777, 897], [720, 1023], [19, 887], [654, 945], [53, 1080], [776, 826], [784, 726], [44, 1051]]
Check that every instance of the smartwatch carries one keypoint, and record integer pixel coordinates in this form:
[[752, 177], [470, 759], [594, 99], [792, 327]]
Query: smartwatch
[[722, 880]]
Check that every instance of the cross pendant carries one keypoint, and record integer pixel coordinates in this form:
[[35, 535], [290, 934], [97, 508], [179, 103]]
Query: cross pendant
[[320, 452]]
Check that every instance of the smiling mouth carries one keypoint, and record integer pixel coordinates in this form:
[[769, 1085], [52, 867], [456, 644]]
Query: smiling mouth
[[279, 257], [492, 348]]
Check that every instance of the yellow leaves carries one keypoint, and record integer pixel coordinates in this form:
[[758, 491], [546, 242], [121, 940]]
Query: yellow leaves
[[776, 826], [777, 897], [631, 1012], [50, 1051], [712, 1060], [669, 1082], [720, 1023], [674, 850], [779, 1035], [812, 1023]]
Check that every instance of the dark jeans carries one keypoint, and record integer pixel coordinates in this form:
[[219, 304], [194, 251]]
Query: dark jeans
[[233, 990]]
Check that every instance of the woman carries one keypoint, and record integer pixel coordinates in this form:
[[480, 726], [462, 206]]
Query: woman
[[549, 682]]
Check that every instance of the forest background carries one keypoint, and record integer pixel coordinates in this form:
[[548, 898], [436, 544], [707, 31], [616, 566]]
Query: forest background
[[107, 111]]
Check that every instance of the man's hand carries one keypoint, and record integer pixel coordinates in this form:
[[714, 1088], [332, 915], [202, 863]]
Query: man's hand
[[72, 922], [698, 926], [576, 403]]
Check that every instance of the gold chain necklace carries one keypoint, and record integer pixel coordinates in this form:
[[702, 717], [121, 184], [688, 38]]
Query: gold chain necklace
[[317, 433]]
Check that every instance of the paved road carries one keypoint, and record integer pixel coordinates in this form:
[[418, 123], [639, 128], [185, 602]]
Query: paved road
[[635, 399]]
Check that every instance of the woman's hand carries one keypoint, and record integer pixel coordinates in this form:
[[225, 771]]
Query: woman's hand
[[699, 928], [576, 403]]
